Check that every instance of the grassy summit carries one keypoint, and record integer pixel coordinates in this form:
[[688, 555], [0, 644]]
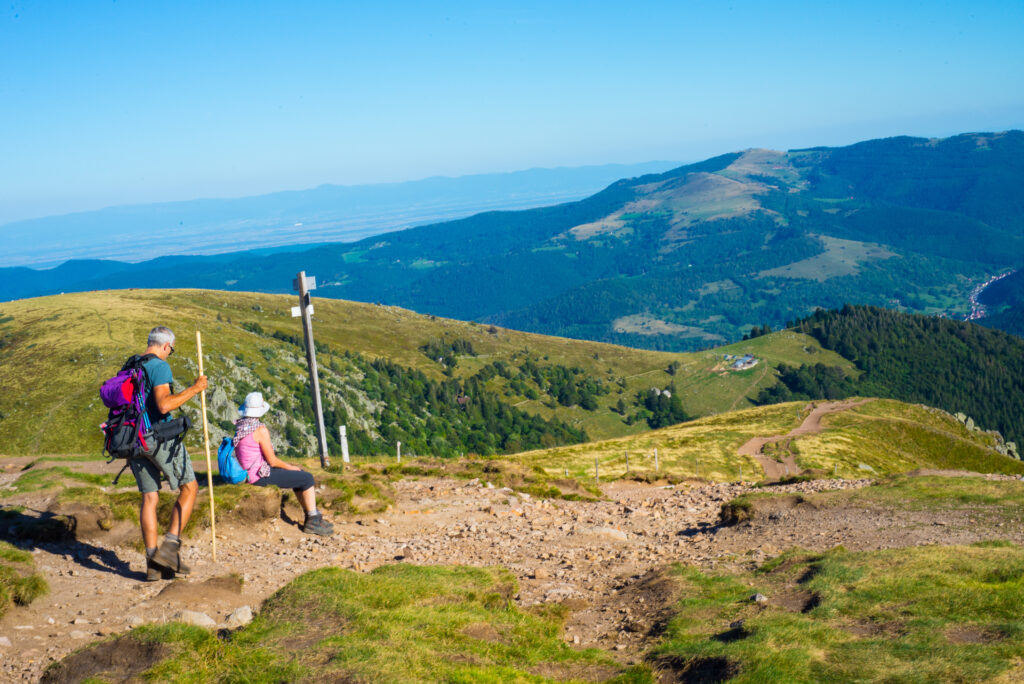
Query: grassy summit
[[57, 350]]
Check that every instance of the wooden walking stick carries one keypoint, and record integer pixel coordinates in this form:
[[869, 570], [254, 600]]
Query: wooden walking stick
[[206, 442]]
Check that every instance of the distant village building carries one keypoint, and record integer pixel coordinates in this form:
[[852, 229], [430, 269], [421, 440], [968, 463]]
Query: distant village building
[[745, 362]]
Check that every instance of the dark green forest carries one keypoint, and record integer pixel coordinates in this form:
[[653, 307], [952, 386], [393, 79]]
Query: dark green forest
[[442, 418], [1005, 300], [953, 365]]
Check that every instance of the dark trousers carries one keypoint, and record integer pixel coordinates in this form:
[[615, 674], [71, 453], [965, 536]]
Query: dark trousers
[[296, 480]]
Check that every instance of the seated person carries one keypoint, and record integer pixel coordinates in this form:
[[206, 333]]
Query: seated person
[[255, 454]]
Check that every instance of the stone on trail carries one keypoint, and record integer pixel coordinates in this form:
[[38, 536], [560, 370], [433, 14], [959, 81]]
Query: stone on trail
[[79, 634], [609, 532], [759, 598], [541, 574], [192, 617], [240, 617], [4, 641]]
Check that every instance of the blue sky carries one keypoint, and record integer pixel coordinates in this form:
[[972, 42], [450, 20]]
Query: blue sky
[[124, 102]]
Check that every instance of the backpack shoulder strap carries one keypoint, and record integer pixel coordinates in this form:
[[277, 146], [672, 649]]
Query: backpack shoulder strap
[[136, 361]]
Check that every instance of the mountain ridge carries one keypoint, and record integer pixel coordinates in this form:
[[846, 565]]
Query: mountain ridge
[[684, 258], [326, 213]]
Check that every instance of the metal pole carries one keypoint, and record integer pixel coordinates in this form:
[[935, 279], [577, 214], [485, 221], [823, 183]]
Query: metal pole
[[306, 310], [399, 452]]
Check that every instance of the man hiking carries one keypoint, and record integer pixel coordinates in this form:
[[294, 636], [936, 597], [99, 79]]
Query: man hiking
[[169, 459]]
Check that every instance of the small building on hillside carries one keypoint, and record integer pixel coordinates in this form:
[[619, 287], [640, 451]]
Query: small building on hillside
[[745, 362]]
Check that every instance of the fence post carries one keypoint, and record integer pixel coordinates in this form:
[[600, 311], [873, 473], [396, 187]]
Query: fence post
[[626, 453], [597, 473], [398, 452], [344, 444], [656, 468]]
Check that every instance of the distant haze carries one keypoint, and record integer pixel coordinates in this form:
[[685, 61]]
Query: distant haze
[[329, 213]]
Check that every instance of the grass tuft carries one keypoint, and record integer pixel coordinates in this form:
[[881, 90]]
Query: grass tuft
[[19, 583]]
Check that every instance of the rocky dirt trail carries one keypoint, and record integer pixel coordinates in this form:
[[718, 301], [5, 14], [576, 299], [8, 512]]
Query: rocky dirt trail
[[775, 470], [603, 560]]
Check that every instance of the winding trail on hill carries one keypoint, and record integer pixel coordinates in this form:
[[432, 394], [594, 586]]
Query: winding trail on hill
[[811, 425]]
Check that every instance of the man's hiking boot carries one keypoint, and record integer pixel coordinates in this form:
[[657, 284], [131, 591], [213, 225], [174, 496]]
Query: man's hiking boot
[[168, 556], [155, 573], [315, 524]]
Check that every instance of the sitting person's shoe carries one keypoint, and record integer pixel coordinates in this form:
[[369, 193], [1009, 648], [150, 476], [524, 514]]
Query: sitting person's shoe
[[169, 556], [155, 572], [315, 524]]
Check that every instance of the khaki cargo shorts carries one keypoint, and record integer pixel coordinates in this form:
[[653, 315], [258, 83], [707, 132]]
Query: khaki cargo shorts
[[170, 460]]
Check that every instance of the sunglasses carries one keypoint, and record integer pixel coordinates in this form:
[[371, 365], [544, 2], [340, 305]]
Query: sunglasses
[[172, 349]]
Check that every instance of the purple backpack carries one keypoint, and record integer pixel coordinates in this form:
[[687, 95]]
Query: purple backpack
[[127, 432]]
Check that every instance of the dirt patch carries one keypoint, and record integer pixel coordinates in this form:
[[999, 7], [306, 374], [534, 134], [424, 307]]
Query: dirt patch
[[576, 673], [930, 472], [642, 607], [41, 528], [970, 634], [259, 504], [209, 591], [119, 660], [94, 523], [888, 630], [796, 600], [678, 670], [484, 632], [312, 625]]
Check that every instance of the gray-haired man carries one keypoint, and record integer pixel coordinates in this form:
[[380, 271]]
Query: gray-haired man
[[170, 460]]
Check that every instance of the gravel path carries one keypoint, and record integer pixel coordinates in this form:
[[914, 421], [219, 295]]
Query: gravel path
[[601, 559]]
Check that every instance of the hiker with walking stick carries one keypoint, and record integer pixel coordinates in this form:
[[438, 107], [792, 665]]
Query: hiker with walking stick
[[167, 457]]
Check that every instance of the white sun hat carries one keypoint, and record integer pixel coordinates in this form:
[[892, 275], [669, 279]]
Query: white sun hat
[[254, 405]]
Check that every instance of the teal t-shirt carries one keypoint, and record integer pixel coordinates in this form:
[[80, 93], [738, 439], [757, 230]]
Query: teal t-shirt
[[158, 372]]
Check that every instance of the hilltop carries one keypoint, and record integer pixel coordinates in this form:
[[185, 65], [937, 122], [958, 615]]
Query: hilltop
[[384, 372], [445, 388], [680, 260]]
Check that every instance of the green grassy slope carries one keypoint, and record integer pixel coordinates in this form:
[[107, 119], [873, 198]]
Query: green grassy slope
[[55, 351], [926, 614], [399, 623], [885, 435]]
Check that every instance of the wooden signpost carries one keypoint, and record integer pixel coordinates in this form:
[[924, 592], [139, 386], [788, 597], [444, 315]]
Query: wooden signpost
[[206, 442]]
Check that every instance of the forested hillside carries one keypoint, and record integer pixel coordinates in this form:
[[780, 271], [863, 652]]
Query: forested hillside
[[953, 365], [681, 260], [440, 387], [1004, 300]]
